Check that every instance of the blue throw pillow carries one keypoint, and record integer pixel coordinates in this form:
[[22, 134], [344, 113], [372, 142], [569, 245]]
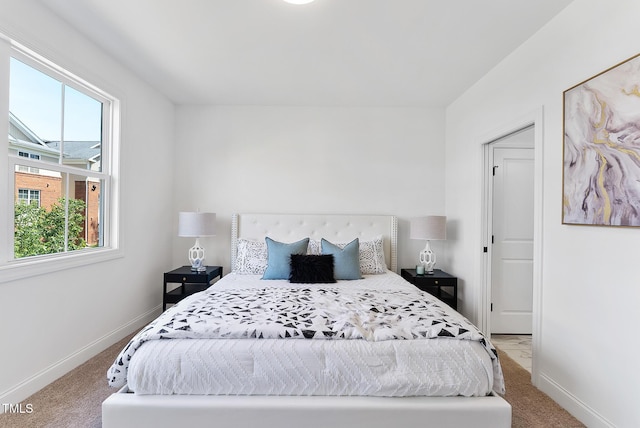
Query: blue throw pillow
[[279, 257], [346, 261]]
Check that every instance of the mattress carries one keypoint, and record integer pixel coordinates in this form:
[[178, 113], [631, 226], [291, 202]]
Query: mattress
[[390, 368]]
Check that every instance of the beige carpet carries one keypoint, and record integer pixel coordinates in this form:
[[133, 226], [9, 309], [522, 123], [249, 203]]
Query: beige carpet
[[531, 408], [75, 399]]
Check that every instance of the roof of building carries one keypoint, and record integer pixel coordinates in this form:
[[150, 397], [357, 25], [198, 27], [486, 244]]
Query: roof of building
[[22, 136], [90, 150]]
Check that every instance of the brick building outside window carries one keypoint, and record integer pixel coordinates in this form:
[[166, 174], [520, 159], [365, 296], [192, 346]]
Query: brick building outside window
[[47, 187]]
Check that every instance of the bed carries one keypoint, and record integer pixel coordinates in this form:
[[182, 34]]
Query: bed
[[247, 375]]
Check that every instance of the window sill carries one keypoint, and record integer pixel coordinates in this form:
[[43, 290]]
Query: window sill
[[20, 269]]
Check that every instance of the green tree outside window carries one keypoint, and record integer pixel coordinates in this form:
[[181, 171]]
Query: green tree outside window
[[39, 231]]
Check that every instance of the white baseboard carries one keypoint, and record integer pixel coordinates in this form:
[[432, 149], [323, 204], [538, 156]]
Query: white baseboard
[[43, 378], [572, 404]]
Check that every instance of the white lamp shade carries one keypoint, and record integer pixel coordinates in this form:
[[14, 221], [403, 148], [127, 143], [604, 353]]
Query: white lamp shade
[[196, 224], [432, 227]]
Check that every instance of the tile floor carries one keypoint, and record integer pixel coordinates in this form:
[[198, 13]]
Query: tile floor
[[517, 347]]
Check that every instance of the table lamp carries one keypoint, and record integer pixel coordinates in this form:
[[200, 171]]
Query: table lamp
[[429, 228], [196, 224]]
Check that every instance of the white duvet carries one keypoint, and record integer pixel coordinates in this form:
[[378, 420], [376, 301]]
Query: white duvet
[[230, 366]]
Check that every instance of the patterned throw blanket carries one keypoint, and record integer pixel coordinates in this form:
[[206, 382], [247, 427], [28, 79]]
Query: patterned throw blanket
[[305, 313]]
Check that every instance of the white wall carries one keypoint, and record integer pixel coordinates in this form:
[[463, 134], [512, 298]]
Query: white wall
[[50, 323], [309, 160], [587, 359]]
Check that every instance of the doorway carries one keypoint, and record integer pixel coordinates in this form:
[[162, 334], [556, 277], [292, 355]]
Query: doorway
[[511, 228], [511, 217], [510, 171], [529, 127]]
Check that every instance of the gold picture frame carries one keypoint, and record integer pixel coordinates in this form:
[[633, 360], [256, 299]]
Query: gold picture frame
[[601, 148]]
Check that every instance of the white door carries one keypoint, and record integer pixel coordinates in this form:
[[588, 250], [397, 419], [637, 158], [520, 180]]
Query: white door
[[512, 230]]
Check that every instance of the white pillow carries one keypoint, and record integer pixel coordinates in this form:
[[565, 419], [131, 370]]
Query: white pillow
[[251, 258], [314, 247], [372, 256]]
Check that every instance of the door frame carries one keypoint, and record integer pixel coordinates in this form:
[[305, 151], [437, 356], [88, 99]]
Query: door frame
[[534, 119]]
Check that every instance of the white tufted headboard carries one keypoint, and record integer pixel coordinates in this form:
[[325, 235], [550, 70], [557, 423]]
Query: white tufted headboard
[[333, 227]]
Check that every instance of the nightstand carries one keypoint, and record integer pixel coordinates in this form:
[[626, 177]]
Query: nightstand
[[439, 284], [191, 282]]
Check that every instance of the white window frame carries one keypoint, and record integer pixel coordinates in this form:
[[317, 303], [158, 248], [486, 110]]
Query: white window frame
[[11, 268], [29, 193]]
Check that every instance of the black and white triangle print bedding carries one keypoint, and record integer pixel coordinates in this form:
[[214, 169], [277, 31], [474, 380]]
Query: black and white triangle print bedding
[[323, 313]]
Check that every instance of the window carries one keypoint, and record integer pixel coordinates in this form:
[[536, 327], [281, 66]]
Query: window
[[28, 155], [61, 139], [28, 169], [28, 196]]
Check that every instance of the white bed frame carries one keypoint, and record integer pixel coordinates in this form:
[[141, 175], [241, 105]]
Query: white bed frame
[[124, 409]]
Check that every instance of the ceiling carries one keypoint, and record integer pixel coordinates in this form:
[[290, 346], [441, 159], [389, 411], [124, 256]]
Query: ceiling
[[416, 53]]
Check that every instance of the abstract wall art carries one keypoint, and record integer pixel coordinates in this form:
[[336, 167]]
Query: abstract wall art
[[601, 161]]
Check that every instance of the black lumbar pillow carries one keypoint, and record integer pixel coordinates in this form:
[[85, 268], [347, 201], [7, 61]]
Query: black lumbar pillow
[[310, 269]]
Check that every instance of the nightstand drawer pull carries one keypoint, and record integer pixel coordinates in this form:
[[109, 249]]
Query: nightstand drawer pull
[[436, 281], [184, 279]]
